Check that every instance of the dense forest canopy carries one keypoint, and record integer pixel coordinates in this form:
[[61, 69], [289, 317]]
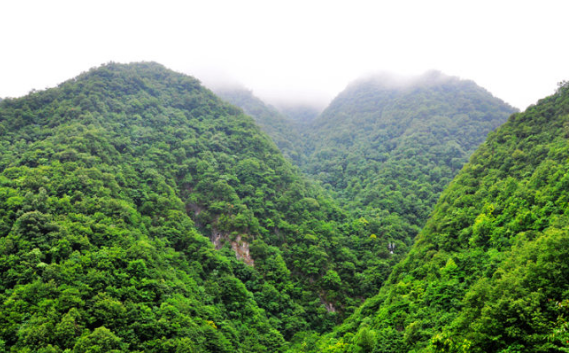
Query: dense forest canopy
[[114, 186], [386, 148], [97, 251], [489, 271], [284, 131], [139, 212]]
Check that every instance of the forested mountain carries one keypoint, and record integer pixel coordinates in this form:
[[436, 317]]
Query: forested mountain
[[282, 130], [97, 251], [356, 261], [113, 187], [386, 148], [141, 213], [490, 270]]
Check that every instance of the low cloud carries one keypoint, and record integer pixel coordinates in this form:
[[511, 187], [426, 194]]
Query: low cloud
[[389, 80]]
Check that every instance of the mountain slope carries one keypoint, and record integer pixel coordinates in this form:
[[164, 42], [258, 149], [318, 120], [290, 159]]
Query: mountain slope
[[357, 262], [97, 252], [489, 271], [114, 186], [386, 148], [281, 130]]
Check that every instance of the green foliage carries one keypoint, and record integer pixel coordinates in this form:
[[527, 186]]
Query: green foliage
[[282, 130], [360, 261], [98, 252], [488, 273], [387, 151], [140, 213]]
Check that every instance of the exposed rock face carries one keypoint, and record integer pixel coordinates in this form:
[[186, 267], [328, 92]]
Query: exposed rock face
[[241, 248], [239, 245], [216, 237], [329, 306]]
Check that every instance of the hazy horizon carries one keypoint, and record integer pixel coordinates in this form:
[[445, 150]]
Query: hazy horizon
[[292, 51]]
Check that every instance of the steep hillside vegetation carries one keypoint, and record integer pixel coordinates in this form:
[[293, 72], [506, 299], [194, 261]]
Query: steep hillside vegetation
[[113, 187], [489, 272], [141, 213], [282, 130], [386, 148], [356, 260], [97, 252]]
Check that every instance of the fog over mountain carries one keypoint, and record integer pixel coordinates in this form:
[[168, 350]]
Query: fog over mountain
[[291, 50], [284, 176]]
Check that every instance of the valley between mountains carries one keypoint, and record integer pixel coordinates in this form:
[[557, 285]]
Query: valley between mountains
[[142, 212]]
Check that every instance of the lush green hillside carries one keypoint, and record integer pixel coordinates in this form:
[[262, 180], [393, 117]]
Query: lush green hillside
[[362, 261], [490, 270], [387, 148], [282, 130], [97, 252], [141, 213], [113, 187]]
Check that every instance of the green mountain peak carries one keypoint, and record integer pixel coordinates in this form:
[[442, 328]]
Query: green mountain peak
[[139, 212], [488, 273]]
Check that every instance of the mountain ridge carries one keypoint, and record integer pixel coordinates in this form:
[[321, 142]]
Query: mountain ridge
[[487, 273], [140, 212], [127, 170], [388, 153]]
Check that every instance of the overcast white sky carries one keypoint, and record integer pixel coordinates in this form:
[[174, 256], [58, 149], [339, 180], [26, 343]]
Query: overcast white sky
[[300, 50]]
